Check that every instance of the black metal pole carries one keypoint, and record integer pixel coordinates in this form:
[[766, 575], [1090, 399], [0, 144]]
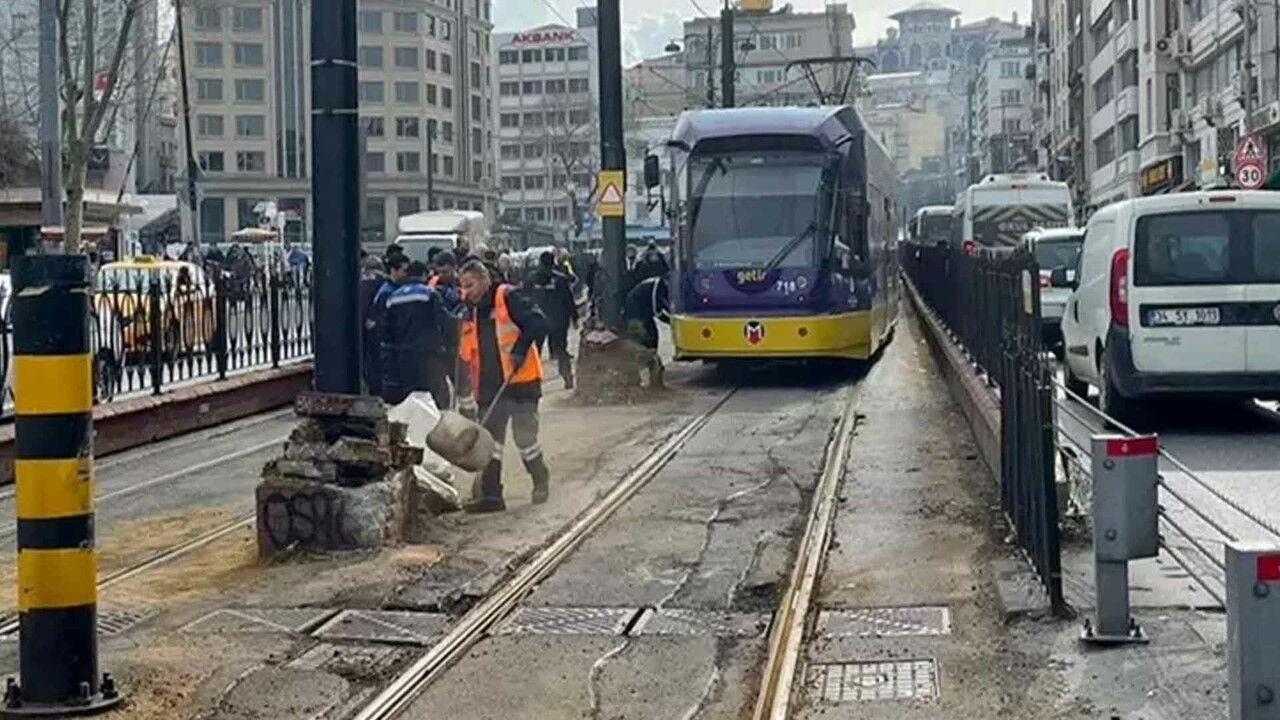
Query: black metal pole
[[613, 157], [193, 168], [711, 68], [431, 170], [335, 192], [728, 63]]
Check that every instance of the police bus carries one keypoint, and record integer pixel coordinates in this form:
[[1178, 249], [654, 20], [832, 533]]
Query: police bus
[[997, 211]]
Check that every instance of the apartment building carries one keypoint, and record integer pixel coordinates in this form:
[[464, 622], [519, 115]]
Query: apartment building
[[426, 108], [1003, 94], [548, 129]]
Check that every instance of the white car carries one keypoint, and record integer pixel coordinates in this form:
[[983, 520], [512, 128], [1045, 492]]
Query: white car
[[1177, 295], [1054, 249]]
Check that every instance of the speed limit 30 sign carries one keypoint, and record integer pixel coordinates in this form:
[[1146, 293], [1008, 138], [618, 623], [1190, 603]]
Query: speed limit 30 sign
[[1249, 176]]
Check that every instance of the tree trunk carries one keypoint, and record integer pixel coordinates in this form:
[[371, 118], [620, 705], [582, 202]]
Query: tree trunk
[[73, 221]]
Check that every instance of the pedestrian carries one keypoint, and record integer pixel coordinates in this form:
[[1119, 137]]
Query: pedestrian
[[413, 344], [646, 303], [372, 277], [499, 346], [631, 258], [445, 282], [650, 265], [552, 290]]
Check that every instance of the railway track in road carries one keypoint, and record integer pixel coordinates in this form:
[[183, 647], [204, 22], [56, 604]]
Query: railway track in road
[[789, 619]]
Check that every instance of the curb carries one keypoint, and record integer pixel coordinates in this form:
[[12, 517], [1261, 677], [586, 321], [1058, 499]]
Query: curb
[[1018, 589], [131, 423]]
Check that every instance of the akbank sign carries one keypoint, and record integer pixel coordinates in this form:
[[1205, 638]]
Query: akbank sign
[[542, 36]]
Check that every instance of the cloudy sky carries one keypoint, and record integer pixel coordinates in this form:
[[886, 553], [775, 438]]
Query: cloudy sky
[[649, 24]]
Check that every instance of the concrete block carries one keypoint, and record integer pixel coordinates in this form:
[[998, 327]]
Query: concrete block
[[359, 459], [333, 405], [321, 517]]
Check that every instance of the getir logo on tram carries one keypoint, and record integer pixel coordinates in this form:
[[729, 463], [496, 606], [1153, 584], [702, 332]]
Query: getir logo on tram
[[750, 277]]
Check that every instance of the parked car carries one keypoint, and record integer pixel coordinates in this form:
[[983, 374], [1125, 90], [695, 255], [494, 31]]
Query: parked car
[[1054, 249], [1176, 295], [123, 313]]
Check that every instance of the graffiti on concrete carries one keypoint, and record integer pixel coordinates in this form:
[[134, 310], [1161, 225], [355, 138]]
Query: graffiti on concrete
[[303, 519]]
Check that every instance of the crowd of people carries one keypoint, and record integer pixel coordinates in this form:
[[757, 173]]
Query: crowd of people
[[461, 328]]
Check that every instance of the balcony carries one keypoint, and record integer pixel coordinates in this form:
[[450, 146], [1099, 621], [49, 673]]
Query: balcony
[[1127, 102], [1103, 120]]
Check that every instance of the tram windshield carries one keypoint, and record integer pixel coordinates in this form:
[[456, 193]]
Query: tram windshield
[[754, 210]]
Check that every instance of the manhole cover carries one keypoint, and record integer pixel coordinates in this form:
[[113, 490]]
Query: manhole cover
[[680, 621], [568, 621], [861, 681], [884, 622], [415, 628], [354, 662], [110, 623], [260, 620]]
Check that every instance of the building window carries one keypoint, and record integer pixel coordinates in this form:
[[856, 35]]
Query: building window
[[1104, 149], [251, 91], [208, 18], [475, 75], [1102, 30], [535, 182], [208, 89], [446, 97], [406, 57], [508, 57], [446, 131], [431, 94], [531, 56], [407, 127], [477, 170], [532, 87], [557, 87], [510, 152], [372, 92], [408, 162], [246, 19], [405, 22], [373, 225], [446, 30], [579, 86], [246, 212], [212, 161], [511, 183], [509, 120], [532, 120], [374, 127], [536, 215], [209, 125], [248, 55], [208, 54], [375, 162], [251, 126], [448, 165], [407, 205], [446, 64], [1103, 90], [431, 60], [1011, 126], [1128, 70], [1011, 97], [1010, 69], [555, 118], [579, 117], [408, 92], [476, 114], [251, 161], [213, 220], [554, 54], [1129, 134], [509, 89], [370, 56], [578, 53], [371, 22]]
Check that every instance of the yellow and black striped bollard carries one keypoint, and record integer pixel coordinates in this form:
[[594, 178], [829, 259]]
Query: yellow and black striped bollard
[[53, 470]]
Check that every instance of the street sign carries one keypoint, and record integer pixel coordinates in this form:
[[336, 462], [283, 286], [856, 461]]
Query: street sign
[[1249, 175], [1250, 150], [611, 202]]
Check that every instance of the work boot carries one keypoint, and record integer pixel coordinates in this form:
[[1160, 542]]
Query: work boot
[[484, 506], [566, 371], [541, 480]]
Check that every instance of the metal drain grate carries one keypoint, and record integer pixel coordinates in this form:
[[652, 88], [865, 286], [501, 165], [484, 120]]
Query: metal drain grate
[[568, 621], [387, 626], [110, 622], [884, 622], [260, 620], [863, 681], [354, 662], [684, 622]]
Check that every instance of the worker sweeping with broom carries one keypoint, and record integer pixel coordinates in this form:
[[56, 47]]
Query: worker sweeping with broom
[[500, 334]]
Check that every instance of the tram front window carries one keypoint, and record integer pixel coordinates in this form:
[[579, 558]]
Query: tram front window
[[753, 210]]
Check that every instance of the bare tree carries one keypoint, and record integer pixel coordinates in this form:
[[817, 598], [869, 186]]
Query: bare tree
[[568, 131], [19, 160], [91, 77]]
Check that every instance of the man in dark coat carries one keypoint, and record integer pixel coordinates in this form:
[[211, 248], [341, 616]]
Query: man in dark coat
[[552, 290], [413, 342]]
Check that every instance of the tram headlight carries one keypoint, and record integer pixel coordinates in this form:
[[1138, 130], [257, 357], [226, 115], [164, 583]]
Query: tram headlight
[[802, 282]]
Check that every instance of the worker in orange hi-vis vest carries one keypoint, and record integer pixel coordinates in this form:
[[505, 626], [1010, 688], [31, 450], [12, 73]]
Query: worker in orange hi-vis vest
[[498, 344]]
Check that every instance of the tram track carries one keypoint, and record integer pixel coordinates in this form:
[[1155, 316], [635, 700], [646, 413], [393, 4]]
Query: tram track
[[503, 600]]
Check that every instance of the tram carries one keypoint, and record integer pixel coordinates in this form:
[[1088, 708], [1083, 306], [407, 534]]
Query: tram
[[785, 235]]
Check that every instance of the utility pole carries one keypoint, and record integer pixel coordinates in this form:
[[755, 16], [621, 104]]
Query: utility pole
[[431, 169], [613, 158], [728, 64], [335, 192], [193, 168], [1247, 71], [711, 69], [50, 118]]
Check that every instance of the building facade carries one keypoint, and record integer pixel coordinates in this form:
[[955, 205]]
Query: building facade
[[1002, 98], [548, 128], [426, 109]]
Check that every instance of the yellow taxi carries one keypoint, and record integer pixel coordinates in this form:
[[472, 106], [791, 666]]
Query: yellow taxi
[[122, 305]]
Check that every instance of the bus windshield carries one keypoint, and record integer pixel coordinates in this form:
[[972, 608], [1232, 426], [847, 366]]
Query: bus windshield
[[754, 210], [934, 228]]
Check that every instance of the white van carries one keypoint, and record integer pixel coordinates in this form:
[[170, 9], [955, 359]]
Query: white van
[[997, 211], [1054, 249], [1177, 294]]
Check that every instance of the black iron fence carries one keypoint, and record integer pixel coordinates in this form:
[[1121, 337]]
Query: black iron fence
[[154, 329], [991, 304]]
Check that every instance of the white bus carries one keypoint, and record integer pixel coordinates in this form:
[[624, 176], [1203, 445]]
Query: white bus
[[931, 225], [445, 229], [997, 211]]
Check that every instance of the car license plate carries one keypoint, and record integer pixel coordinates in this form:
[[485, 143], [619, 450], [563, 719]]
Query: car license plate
[[1182, 317]]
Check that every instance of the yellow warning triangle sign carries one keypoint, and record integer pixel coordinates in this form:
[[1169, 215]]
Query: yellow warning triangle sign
[[611, 195]]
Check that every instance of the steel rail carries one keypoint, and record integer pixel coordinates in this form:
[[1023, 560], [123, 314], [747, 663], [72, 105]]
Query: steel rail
[[787, 633], [476, 623], [159, 558]]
